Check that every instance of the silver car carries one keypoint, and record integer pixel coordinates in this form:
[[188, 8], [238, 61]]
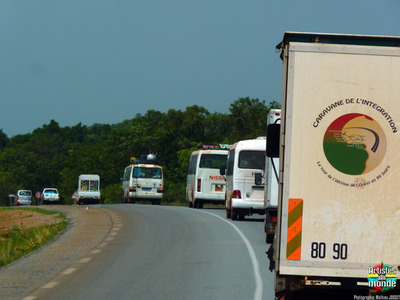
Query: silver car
[[23, 197]]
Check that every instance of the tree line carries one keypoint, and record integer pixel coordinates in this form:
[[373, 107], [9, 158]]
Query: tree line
[[54, 156]]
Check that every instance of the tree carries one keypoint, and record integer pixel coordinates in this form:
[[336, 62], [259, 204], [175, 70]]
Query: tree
[[54, 156], [248, 118], [3, 139]]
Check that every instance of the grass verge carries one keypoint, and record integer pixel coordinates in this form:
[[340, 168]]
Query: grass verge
[[18, 241]]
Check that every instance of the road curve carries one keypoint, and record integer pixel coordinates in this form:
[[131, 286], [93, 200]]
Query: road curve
[[163, 252]]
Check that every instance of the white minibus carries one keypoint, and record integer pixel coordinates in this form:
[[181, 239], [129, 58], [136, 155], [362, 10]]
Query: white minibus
[[143, 180], [244, 178], [271, 183], [204, 182]]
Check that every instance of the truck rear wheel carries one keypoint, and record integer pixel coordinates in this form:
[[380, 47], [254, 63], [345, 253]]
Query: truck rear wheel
[[269, 238]]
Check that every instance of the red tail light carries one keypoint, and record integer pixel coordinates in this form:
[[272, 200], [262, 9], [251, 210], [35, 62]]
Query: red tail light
[[273, 219], [199, 185], [132, 189], [236, 194], [160, 190]]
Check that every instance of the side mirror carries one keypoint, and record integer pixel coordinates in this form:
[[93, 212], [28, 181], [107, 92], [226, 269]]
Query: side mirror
[[222, 171], [258, 179], [273, 140]]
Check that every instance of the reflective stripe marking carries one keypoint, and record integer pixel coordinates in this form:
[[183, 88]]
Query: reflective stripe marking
[[295, 219]]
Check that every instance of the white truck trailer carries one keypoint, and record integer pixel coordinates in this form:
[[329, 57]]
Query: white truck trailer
[[88, 189], [339, 206]]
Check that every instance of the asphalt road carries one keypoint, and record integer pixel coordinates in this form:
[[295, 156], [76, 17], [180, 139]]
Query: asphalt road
[[165, 252]]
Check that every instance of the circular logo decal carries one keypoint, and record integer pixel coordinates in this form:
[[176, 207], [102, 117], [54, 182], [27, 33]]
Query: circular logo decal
[[354, 144]]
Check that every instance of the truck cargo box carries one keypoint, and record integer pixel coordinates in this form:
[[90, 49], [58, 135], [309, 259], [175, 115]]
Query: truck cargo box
[[339, 205]]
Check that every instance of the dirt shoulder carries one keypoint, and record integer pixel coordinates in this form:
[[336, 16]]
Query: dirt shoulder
[[87, 228], [24, 219]]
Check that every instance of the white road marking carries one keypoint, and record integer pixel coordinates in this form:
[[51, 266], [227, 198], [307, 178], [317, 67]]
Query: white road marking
[[84, 260], [50, 285], [68, 271], [256, 266], [96, 251], [29, 298]]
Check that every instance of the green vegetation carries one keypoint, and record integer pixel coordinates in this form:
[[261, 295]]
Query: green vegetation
[[54, 156], [17, 241]]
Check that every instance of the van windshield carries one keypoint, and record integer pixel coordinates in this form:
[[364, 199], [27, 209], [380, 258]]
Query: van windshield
[[143, 172], [213, 161], [252, 160]]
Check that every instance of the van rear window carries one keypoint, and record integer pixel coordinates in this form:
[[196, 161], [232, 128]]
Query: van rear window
[[25, 193], [213, 161], [154, 173], [252, 160]]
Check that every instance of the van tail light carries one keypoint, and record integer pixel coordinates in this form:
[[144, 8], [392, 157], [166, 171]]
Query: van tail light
[[160, 190], [17, 200], [132, 189], [236, 194], [198, 184]]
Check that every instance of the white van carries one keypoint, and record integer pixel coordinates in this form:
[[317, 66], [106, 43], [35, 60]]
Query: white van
[[143, 180], [88, 189], [204, 182], [271, 182], [246, 163]]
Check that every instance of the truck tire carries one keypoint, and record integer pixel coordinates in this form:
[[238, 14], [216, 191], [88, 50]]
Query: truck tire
[[269, 238], [233, 214], [228, 213]]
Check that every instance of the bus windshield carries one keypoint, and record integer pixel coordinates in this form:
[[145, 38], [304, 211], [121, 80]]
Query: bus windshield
[[143, 172], [213, 161], [252, 160]]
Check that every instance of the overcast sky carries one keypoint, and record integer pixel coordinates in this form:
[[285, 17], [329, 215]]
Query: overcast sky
[[105, 61]]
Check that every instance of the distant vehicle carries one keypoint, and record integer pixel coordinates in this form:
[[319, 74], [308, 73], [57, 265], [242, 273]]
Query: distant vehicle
[[204, 182], [23, 197], [244, 178], [88, 189], [50, 195], [143, 180], [271, 181]]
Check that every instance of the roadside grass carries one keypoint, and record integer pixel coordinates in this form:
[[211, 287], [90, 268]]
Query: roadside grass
[[18, 241]]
